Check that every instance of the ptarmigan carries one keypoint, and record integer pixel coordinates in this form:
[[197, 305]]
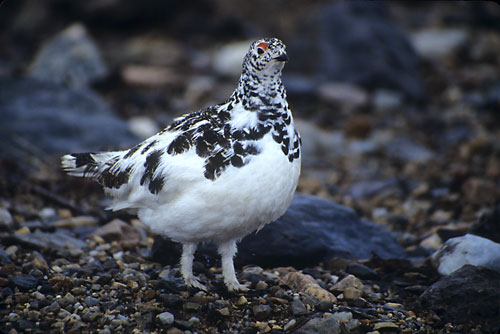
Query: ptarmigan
[[214, 175]]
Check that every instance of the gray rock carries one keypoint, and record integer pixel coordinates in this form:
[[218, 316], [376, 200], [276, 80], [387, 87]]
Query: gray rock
[[298, 307], [6, 220], [326, 325], [407, 149], [468, 249], [4, 257], [25, 282], [70, 58], [55, 119], [91, 301], [45, 241], [261, 312], [360, 46], [470, 294], [166, 318], [435, 43], [314, 230]]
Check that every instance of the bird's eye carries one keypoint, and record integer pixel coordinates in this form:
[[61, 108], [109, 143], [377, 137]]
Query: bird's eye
[[260, 51]]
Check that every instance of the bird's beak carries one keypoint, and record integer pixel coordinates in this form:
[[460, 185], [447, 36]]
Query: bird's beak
[[282, 57]]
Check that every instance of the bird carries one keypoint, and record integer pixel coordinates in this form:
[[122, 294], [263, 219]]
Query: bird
[[213, 175]]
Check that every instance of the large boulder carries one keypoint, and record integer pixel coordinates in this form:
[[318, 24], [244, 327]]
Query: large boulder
[[55, 119]]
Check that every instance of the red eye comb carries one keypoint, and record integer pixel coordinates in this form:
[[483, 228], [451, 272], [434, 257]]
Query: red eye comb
[[263, 45]]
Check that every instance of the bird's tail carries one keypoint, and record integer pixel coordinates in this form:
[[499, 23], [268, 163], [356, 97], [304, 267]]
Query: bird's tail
[[88, 165]]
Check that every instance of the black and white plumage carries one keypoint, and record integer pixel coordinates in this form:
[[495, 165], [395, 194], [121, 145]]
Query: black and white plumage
[[215, 175]]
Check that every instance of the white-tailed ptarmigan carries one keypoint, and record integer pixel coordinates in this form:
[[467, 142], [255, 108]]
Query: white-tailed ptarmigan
[[214, 175]]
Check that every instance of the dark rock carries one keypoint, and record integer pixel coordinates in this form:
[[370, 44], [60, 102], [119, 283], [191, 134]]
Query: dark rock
[[327, 325], [46, 241], [370, 188], [171, 300], [25, 282], [312, 230], [406, 149], [298, 307], [360, 46], [91, 301], [361, 271], [4, 257], [70, 58], [261, 312], [470, 294], [56, 119]]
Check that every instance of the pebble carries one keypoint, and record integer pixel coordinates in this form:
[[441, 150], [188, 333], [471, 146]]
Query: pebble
[[300, 282], [191, 306], [242, 301], [261, 312], [327, 324], [385, 325], [350, 281], [166, 318], [436, 43], [289, 324], [352, 293], [297, 307], [91, 301], [25, 282], [6, 220]]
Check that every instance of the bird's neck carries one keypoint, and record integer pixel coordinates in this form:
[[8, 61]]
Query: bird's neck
[[258, 92]]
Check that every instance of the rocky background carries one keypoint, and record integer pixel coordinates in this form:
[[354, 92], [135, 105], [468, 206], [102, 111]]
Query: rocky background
[[397, 225]]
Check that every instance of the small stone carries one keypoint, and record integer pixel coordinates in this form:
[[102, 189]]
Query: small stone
[[385, 325], [342, 316], [70, 299], [300, 282], [166, 318], [143, 127], [242, 301], [361, 271], [433, 241], [118, 230], [25, 282], [6, 220], [91, 301], [174, 331], [289, 325], [39, 261], [23, 230], [261, 285], [191, 306], [4, 257], [387, 100], [351, 293], [480, 191], [224, 312], [261, 312], [298, 308], [348, 281], [324, 325], [73, 222], [11, 251], [436, 43]]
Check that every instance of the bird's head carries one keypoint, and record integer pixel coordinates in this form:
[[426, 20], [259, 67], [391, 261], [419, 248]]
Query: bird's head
[[266, 56]]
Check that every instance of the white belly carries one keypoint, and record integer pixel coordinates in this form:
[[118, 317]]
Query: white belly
[[240, 201]]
